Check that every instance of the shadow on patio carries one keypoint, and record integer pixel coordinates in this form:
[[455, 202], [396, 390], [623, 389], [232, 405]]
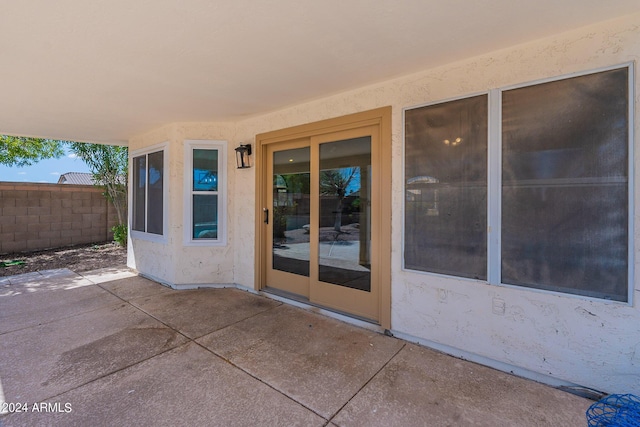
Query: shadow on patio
[[110, 348]]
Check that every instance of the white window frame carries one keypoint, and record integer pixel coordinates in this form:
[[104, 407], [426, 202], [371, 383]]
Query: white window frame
[[494, 188], [143, 235], [221, 147]]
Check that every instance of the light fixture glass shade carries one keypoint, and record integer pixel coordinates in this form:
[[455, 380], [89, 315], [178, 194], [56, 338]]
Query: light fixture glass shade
[[242, 156]]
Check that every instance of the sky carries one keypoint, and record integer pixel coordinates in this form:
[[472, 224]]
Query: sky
[[44, 170]]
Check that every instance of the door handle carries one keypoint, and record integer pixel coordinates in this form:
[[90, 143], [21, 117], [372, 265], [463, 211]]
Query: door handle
[[266, 215]]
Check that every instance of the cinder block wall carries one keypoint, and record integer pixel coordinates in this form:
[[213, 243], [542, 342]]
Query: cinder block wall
[[43, 216]]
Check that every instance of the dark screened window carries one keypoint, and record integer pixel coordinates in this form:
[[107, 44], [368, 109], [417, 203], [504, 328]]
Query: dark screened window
[[446, 188], [562, 210], [148, 193], [565, 185], [139, 193]]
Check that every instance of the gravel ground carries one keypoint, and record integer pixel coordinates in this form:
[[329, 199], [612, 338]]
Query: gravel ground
[[76, 258]]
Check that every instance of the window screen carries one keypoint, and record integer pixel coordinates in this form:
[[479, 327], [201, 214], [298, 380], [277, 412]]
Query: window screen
[[148, 193], [565, 185], [139, 193], [155, 187], [446, 188]]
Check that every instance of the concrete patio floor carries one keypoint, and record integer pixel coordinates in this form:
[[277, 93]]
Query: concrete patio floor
[[111, 348]]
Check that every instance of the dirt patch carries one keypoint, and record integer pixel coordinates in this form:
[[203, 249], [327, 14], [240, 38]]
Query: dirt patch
[[76, 258]]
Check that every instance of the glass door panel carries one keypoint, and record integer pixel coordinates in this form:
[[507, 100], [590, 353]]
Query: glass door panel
[[291, 183], [345, 214], [344, 183]]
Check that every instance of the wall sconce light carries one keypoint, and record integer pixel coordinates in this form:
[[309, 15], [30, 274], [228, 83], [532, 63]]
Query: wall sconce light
[[242, 156]]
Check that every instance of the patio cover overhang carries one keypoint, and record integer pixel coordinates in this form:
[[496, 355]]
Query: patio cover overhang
[[107, 71]]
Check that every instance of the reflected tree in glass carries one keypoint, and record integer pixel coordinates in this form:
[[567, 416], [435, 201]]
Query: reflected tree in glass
[[345, 190], [335, 183]]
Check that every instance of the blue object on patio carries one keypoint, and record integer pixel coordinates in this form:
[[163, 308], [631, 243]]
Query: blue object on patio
[[616, 410]]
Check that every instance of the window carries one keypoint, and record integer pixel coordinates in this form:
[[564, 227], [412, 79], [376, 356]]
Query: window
[[565, 206], [205, 187], [446, 188], [562, 194], [148, 193]]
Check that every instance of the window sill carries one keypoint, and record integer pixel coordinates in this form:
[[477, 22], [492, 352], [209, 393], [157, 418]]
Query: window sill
[[149, 237], [205, 243]]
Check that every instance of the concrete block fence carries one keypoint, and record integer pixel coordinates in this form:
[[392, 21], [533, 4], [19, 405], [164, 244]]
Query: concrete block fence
[[43, 216]]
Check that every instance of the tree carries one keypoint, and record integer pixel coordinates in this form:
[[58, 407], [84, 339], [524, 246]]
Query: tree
[[334, 182], [109, 166], [23, 151]]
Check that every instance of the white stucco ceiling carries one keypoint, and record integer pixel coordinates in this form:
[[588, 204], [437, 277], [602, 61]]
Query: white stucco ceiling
[[106, 70]]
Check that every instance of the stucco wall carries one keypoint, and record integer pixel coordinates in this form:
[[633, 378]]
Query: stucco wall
[[592, 343], [171, 262]]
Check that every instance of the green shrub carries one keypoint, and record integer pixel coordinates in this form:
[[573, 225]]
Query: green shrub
[[120, 234]]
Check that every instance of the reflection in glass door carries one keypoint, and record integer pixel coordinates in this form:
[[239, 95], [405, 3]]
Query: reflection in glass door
[[291, 211], [345, 213]]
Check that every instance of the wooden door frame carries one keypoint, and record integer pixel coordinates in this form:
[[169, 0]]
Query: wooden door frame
[[380, 117]]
